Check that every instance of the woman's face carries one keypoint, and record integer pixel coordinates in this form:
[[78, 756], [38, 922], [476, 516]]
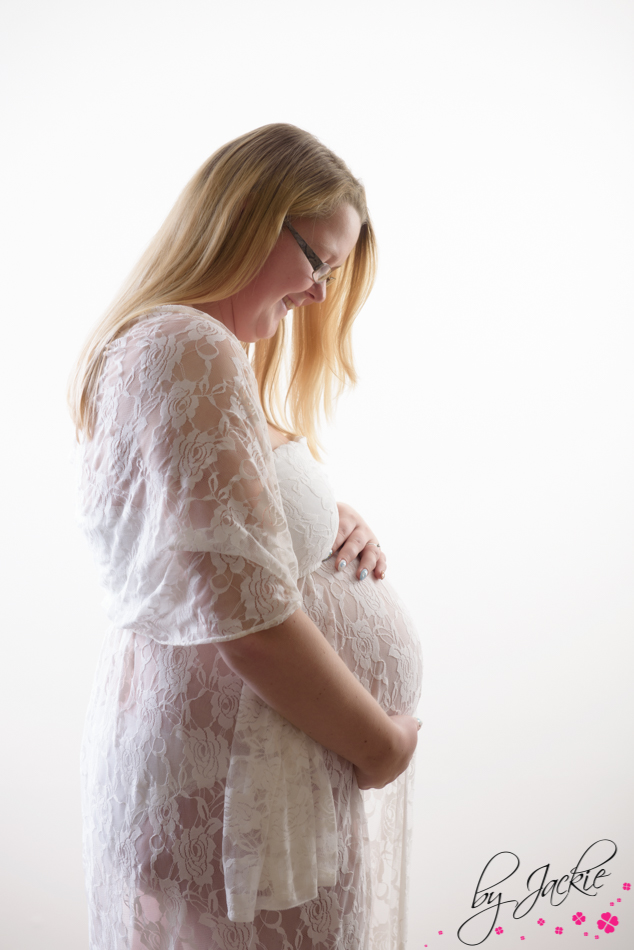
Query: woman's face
[[285, 281]]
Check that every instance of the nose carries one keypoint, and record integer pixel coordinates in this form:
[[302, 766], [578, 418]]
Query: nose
[[318, 291]]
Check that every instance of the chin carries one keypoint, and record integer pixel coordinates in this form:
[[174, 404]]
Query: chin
[[267, 328]]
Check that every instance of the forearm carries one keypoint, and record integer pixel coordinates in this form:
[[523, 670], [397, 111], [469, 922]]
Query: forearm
[[296, 671]]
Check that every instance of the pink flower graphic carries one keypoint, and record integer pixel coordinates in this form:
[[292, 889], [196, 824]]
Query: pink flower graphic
[[607, 922], [585, 933], [541, 921], [559, 930], [618, 900], [611, 903], [499, 930], [578, 918], [626, 886]]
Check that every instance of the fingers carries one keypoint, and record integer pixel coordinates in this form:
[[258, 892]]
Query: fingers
[[372, 560], [371, 557], [353, 545], [349, 526], [355, 539]]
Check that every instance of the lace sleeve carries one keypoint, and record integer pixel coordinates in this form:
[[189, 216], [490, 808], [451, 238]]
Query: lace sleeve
[[184, 503]]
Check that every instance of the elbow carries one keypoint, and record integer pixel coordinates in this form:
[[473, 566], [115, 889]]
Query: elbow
[[260, 648], [248, 653], [238, 651]]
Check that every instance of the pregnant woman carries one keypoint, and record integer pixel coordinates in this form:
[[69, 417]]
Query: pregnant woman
[[248, 746]]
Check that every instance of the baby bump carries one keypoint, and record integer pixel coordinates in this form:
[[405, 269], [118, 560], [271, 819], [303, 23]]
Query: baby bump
[[369, 627]]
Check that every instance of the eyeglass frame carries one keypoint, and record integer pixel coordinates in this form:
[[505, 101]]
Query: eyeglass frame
[[316, 262]]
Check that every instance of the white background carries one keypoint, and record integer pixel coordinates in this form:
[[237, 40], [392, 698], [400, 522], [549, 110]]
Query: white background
[[489, 442]]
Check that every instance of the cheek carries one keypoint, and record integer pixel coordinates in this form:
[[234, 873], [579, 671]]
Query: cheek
[[285, 272], [282, 274], [254, 295], [265, 285]]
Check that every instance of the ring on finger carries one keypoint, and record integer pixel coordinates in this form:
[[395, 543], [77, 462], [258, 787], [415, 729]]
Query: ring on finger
[[376, 543]]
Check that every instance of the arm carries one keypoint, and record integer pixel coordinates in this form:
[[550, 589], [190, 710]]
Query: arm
[[209, 442], [296, 671]]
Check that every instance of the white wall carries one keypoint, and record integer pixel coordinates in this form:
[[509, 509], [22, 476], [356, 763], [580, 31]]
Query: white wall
[[489, 441]]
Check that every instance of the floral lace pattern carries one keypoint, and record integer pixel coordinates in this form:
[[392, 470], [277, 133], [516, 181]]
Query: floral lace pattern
[[180, 498], [203, 534]]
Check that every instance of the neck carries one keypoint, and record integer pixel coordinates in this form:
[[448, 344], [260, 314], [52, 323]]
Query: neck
[[220, 310]]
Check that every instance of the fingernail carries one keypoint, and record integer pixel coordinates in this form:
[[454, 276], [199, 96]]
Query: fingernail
[[383, 576], [341, 565], [363, 574]]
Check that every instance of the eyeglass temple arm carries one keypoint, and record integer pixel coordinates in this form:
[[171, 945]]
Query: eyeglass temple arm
[[310, 254]]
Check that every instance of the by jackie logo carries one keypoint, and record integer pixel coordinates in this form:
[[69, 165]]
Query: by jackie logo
[[586, 877]]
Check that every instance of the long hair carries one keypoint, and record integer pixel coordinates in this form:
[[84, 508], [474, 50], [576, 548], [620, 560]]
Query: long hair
[[214, 241]]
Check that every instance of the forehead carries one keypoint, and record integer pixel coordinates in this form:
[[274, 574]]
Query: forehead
[[331, 238]]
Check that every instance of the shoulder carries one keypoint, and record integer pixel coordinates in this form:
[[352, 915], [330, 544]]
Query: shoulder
[[180, 341], [176, 324]]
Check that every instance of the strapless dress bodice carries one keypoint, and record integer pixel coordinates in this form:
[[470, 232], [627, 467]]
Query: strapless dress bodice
[[309, 504]]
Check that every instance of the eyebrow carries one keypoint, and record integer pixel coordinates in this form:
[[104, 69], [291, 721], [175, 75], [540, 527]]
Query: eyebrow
[[330, 253], [327, 251]]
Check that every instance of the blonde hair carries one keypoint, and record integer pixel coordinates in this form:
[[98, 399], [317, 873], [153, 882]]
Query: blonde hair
[[214, 241]]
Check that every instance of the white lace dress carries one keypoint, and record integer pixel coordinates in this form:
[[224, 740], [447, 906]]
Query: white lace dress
[[211, 823]]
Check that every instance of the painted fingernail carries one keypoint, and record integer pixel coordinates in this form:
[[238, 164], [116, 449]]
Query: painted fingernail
[[341, 565], [383, 576], [363, 574]]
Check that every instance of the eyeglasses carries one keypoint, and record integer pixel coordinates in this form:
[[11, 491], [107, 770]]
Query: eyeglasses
[[321, 271]]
